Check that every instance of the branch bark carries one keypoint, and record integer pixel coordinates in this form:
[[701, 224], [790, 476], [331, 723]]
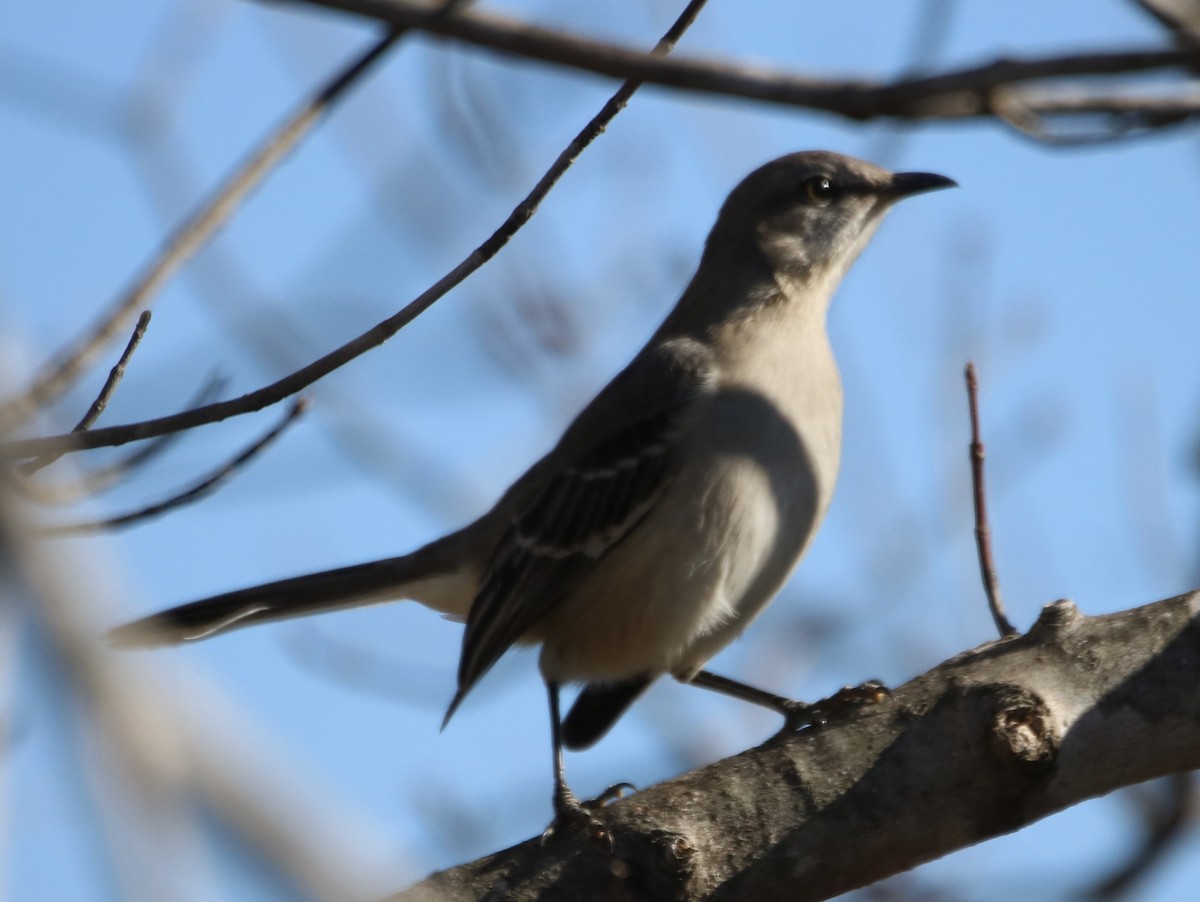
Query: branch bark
[[983, 744]]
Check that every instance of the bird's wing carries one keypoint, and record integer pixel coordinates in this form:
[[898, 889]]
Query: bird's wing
[[584, 498]]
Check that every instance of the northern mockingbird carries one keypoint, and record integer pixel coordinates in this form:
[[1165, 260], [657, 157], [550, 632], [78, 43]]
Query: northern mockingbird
[[676, 504]]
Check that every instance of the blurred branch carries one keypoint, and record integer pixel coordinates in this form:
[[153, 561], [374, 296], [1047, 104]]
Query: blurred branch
[[195, 492], [358, 667], [180, 754], [985, 743], [1168, 809], [1181, 17], [377, 335], [195, 231], [269, 328], [1124, 115], [956, 94]]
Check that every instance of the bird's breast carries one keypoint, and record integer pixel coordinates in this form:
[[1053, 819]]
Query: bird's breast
[[758, 461]]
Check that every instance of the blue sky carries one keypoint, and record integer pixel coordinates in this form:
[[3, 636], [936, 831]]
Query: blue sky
[[1069, 276]]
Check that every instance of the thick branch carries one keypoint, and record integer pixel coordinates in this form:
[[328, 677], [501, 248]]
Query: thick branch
[[960, 93], [983, 744]]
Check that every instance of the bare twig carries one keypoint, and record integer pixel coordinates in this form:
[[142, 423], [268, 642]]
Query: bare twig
[[110, 384], [191, 235], [961, 93], [93, 482], [103, 477], [983, 532], [372, 338], [193, 493]]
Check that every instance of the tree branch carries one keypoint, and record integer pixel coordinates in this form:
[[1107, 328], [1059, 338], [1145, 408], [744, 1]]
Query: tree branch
[[115, 375], [93, 482], [956, 94], [194, 492], [983, 744]]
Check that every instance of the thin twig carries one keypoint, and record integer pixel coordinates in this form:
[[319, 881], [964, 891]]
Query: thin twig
[[372, 338], [110, 384], [107, 476], [276, 335], [958, 93], [192, 234], [93, 482], [193, 493], [983, 532]]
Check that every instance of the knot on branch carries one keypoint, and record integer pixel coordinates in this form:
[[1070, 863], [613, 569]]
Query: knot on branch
[[1056, 617], [661, 864], [1022, 732]]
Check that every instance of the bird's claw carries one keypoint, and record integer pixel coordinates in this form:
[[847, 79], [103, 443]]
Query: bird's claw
[[570, 814], [614, 793]]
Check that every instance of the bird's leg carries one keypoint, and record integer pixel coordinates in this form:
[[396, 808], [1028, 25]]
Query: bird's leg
[[796, 714], [565, 803], [568, 810]]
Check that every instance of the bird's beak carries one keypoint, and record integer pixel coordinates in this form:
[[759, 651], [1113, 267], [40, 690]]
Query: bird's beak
[[906, 184]]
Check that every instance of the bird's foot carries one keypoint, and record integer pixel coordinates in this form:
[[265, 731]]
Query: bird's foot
[[800, 715], [570, 814]]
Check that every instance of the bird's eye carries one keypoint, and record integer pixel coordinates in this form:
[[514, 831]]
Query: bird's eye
[[819, 190]]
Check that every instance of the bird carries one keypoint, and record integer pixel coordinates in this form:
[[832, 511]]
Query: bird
[[677, 502]]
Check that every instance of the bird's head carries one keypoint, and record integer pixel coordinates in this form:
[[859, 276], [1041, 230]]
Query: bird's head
[[811, 213]]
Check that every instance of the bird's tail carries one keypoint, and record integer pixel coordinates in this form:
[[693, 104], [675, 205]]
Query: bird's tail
[[598, 707], [434, 575]]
